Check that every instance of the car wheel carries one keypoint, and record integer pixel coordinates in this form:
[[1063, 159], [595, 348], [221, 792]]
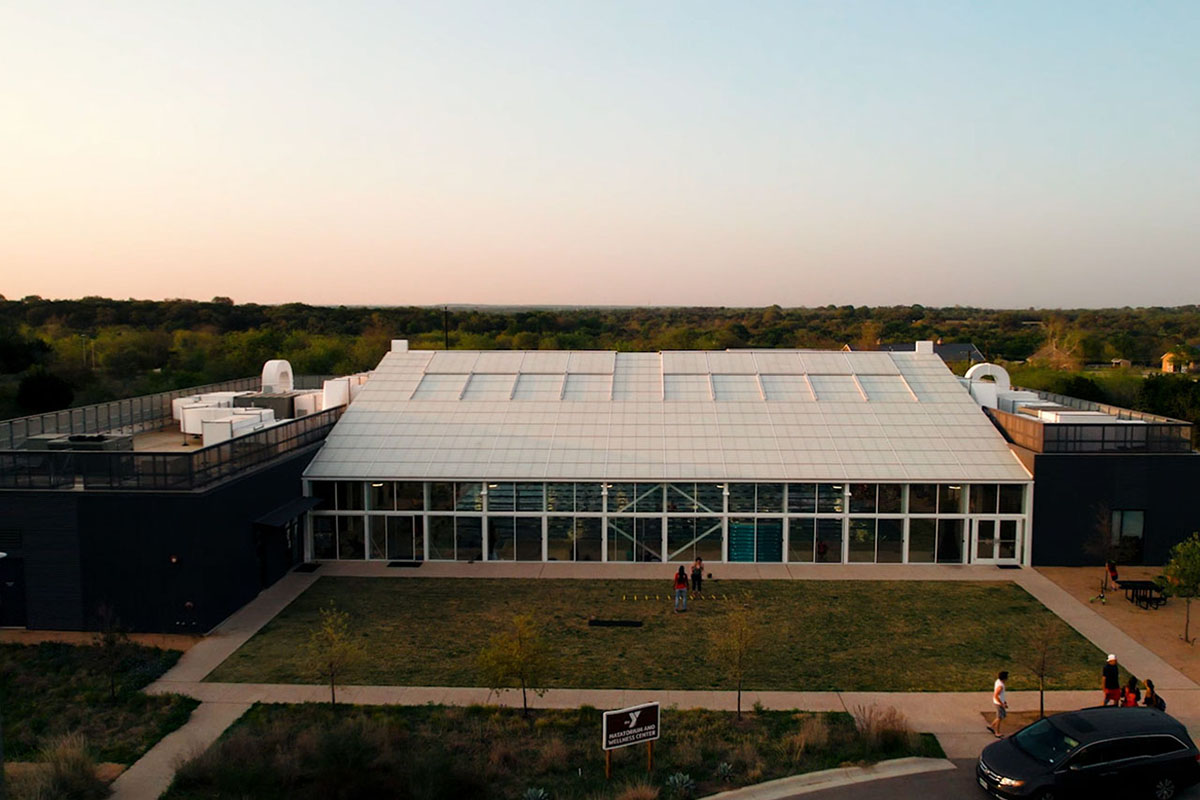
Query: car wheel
[[1164, 787]]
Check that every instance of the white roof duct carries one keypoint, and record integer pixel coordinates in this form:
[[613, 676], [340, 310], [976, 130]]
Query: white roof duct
[[277, 376]]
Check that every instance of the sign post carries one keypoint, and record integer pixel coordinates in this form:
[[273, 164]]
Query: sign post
[[628, 726]]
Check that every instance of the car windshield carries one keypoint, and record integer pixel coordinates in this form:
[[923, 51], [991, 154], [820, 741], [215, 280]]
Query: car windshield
[[1044, 742]]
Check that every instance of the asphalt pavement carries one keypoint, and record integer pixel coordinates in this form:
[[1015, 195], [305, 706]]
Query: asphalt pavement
[[958, 784]]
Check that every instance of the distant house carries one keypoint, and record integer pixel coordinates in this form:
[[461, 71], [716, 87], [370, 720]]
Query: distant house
[[1174, 362], [1121, 363], [949, 353]]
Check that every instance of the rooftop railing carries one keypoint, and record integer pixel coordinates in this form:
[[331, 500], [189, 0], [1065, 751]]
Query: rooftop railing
[[1100, 437], [149, 412], [125, 470]]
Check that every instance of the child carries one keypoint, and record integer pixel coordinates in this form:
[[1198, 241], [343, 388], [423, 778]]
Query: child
[[681, 590], [1131, 695]]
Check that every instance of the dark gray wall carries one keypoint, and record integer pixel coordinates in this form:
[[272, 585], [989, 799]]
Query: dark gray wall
[[1068, 490], [163, 562]]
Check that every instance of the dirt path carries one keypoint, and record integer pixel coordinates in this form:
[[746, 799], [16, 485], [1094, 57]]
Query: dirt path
[[167, 641], [1157, 630]]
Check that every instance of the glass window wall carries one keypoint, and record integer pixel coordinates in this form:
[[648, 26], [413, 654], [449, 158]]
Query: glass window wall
[[922, 498], [983, 498], [889, 541], [922, 541], [829, 540], [689, 538], [405, 537], [501, 538], [890, 498], [862, 498], [530, 497], [950, 498], [634, 539], [349, 495], [1012, 498], [802, 498], [831, 498], [800, 539], [861, 545]]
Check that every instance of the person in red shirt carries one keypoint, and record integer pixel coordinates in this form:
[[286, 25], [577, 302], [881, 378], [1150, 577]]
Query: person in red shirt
[[681, 591]]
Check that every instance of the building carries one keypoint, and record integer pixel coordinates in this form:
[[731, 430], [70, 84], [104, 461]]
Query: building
[[1108, 481], [769, 456], [951, 353], [113, 506], [1175, 362]]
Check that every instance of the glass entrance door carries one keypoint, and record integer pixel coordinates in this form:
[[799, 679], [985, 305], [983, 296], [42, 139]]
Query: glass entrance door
[[995, 541]]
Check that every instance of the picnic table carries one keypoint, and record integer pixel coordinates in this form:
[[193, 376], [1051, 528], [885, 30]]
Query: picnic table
[[1146, 594]]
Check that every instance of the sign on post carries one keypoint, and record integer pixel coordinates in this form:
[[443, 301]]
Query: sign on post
[[631, 726]]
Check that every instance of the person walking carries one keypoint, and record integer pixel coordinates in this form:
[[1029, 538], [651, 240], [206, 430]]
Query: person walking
[[1131, 695], [697, 574], [681, 590], [999, 701], [1111, 681]]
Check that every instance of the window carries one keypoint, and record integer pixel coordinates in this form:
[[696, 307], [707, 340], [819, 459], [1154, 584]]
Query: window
[[950, 498], [800, 539], [351, 537], [802, 498], [500, 497], [983, 498], [634, 539], [950, 541], [922, 498], [922, 541], [862, 498], [405, 537], [560, 497], [861, 540], [382, 496], [349, 495], [889, 548], [831, 498], [589, 497], [829, 540], [741, 498], [468, 497], [324, 537], [1128, 531], [689, 538], [1012, 498], [324, 491], [501, 538], [770, 498], [410, 496], [573, 539], [889, 498], [530, 497]]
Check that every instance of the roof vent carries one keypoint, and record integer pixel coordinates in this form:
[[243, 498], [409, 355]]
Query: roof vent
[[925, 346], [399, 345], [277, 376]]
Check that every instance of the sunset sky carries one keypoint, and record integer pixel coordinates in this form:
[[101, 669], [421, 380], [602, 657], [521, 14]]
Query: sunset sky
[[1004, 154]]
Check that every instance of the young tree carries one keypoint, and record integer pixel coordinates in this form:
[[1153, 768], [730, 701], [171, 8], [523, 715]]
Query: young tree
[[1181, 578], [517, 657], [331, 648], [1042, 659], [735, 647], [112, 647]]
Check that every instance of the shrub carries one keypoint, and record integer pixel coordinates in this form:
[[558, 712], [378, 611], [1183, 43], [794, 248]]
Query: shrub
[[67, 772], [553, 755], [535, 793], [883, 729], [681, 786], [724, 772], [639, 791]]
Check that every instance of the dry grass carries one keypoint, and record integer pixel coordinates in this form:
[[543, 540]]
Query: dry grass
[[313, 752], [639, 791], [426, 632], [66, 771], [883, 728]]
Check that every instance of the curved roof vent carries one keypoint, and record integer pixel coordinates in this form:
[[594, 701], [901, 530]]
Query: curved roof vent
[[277, 376]]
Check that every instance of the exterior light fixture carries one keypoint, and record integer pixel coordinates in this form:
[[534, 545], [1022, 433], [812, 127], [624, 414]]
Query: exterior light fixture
[[174, 559], [954, 487], [376, 485]]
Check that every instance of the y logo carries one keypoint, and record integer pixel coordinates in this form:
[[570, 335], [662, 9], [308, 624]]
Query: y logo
[[633, 715]]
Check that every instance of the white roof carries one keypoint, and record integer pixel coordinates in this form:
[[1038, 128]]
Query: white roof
[[765, 415]]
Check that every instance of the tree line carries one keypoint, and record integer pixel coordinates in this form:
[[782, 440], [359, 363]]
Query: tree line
[[55, 353]]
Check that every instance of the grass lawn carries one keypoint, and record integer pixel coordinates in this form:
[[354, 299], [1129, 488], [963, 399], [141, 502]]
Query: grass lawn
[[816, 635], [52, 689], [316, 751]]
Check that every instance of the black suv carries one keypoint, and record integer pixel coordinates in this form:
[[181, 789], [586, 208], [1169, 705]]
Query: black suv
[[1096, 752]]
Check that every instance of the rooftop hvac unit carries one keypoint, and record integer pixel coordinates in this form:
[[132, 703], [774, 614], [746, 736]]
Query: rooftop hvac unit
[[336, 392]]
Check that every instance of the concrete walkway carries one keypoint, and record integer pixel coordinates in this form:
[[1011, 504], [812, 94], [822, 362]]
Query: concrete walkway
[[953, 716], [150, 776]]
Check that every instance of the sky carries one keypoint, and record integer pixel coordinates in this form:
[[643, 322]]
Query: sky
[[1000, 154]]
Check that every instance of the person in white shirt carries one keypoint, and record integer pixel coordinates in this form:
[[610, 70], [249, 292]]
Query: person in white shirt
[[1000, 701]]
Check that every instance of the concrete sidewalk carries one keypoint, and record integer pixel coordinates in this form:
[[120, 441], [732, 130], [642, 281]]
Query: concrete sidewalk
[[955, 717]]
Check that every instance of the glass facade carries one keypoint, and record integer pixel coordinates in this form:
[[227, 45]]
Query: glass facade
[[672, 522]]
